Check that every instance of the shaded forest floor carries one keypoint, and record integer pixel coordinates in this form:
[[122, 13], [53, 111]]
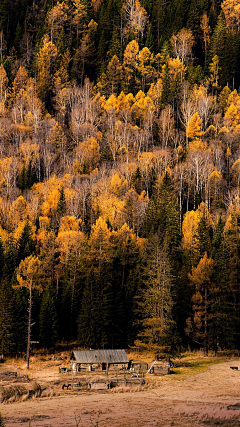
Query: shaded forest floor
[[200, 392]]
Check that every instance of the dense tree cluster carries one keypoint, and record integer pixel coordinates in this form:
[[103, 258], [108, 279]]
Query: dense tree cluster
[[119, 173]]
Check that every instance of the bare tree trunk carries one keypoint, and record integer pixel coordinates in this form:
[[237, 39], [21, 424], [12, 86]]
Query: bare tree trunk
[[206, 324], [29, 326]]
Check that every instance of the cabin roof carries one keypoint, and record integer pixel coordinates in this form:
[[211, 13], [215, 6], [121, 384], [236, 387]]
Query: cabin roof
[[99, 356]]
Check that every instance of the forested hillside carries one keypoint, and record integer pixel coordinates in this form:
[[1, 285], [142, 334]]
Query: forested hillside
[[120, 173]]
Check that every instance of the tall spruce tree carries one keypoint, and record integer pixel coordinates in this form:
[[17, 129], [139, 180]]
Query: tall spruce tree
[[6, 318], [26, 244], [48, 319]]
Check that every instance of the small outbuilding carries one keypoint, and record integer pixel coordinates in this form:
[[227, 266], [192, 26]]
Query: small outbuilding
[[98, 360], [159, 368], [139, 366]]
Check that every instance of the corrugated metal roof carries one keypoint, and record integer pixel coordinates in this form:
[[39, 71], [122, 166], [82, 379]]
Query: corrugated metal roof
[[99, 356]]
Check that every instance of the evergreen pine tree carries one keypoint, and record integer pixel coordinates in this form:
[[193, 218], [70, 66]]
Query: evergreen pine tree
[[61, 206], [26, 244], [221, 329], [20, 301], [6, 318], [48, 319], [203, 237]]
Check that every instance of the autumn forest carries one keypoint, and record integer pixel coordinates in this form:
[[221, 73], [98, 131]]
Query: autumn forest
[[120, 174]]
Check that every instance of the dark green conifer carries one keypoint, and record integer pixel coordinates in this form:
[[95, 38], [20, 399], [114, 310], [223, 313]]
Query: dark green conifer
[[6, 317], [61, 206], [26, 244], [48, 319]]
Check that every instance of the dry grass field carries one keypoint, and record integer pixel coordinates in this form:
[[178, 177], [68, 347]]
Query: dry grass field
[[201, 392]]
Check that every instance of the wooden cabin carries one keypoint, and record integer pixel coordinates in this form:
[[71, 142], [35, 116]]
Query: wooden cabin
[[94, 360]]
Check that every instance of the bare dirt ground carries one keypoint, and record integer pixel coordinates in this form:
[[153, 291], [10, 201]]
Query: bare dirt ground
[[197, 394]]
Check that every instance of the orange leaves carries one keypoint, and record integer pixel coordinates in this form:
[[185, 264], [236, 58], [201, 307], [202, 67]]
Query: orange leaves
[[19, 210], [189, 229], [203, 272], [177, 69], [47, 194], [206, 31], [112, 104], [231, 118], [57, 16], [194, 126], [231, 10], [88, 153], [118, 185], [29, 151], [69, 238], [143, 104], [197, 145], [110, 208], [3, 84], [130, 58], [28, 273], [45, 63], [79, 12], [182, 44], [137, 18]]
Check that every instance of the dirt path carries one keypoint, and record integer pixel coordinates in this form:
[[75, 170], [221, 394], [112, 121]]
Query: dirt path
[[203, 399]]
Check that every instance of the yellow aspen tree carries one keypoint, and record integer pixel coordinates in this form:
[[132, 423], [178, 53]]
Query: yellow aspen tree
[[214, 72], [206, 31], [205, 103], [182, 44], [28, 275], [145, 67], [96, 5], [111, 209], [57, 17], [33, 106], [125, 105], [130, 63], [155, 92], [87, 155], [223, 98], [3, 90], [231, 118], [189, 229], [231, 10], [118, 186], [57, 138], [19, 211], [9, 168], [100, 244], [166, 127], [194, 126], [20, 82], [45, 64], [234, 99], [79, 14], [177, 70], [236, 171], [29, 152], [114, 73], [136, 16]]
